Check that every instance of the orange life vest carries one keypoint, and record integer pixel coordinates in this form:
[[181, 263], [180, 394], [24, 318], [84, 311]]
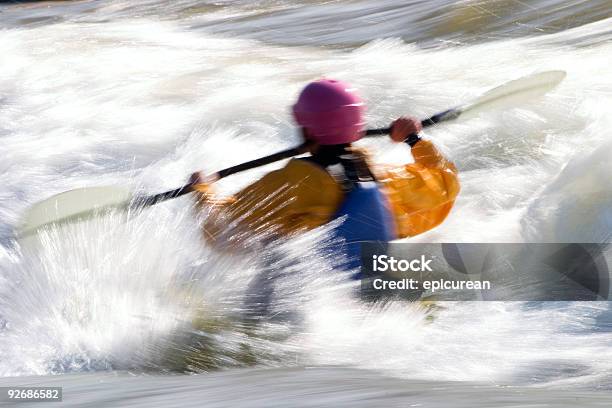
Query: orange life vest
[[302, 196]]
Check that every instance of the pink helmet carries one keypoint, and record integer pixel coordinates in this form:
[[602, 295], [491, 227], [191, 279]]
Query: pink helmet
[[331, 110]]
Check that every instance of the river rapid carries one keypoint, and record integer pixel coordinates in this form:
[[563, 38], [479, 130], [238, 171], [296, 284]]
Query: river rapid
[[141, 94]]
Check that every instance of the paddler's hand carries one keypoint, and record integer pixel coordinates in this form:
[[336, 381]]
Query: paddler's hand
[[196, 178], [403, 127], [198, 182], [201, 182]]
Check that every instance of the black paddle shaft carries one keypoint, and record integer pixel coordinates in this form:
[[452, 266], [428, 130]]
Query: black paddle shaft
[[188, 188], [437, 118], [285, 154]]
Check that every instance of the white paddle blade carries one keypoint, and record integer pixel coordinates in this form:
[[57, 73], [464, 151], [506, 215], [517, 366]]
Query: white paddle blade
[[515, 92], [72, 206]]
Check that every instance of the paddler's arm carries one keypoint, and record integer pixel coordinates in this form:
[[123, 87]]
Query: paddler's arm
[[204, 192], [206, 200], [425, 154], [420, 193], [407, 129], [300, 196]]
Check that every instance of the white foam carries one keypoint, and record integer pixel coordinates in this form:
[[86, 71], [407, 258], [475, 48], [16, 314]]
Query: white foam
[[145, 103]]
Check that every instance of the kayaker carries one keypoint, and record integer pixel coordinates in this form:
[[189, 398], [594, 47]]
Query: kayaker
[[308, 192]]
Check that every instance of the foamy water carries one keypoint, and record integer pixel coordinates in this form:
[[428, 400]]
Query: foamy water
[[142, 102]]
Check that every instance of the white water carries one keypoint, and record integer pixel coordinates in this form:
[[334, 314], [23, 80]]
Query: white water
[[145, 103]]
